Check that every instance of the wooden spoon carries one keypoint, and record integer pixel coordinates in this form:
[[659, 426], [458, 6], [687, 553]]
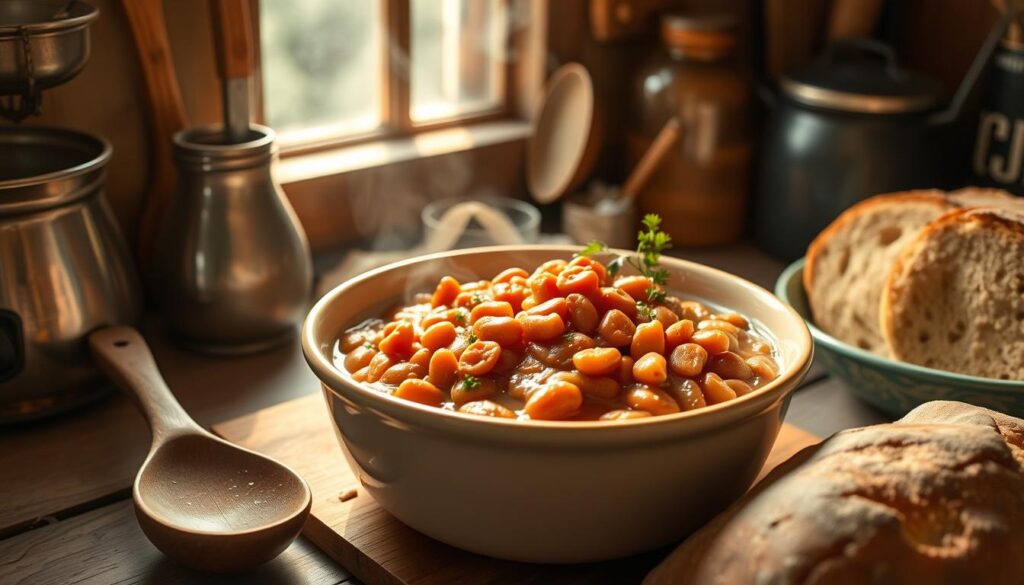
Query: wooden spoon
[[651, 159], [204, 502]]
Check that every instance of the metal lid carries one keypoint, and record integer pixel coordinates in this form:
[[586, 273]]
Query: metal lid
[[42, 168], [703, 22], [711, 35], [862, 76]]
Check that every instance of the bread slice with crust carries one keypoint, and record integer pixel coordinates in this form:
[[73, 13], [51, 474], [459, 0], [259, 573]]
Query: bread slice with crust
[[848, 262], [954, 299], [985, 197]]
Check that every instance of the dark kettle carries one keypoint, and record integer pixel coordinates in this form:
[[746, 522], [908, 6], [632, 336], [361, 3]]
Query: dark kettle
[[851, 125]]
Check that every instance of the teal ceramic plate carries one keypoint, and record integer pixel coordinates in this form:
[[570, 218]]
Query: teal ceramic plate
[[895, 387]]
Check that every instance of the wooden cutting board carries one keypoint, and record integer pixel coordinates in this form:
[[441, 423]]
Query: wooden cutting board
[[353, 530]]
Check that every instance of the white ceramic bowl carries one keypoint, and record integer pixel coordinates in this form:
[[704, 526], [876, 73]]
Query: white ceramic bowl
[[539, 491]]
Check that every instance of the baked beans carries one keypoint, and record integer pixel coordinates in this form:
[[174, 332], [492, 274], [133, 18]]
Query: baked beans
[[563, 342]]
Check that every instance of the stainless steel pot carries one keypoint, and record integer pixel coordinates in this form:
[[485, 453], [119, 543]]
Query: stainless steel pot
[[64, 269]]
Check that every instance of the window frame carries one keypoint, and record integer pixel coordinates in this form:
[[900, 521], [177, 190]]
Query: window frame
[[396, 112]]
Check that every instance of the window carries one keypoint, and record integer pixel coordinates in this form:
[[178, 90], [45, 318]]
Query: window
[[338, 71]]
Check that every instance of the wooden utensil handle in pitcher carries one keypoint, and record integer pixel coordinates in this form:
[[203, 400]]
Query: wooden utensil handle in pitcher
[[232, 38], [123, 355], [663, 142]]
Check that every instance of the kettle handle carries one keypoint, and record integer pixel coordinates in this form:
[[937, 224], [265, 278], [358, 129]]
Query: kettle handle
[[978, 67]]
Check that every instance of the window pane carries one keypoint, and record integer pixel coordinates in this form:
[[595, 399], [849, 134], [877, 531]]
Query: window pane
[[458, 57], [322, 63]]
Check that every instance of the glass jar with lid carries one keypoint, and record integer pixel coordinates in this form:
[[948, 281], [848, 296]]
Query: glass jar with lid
[[700, 187]]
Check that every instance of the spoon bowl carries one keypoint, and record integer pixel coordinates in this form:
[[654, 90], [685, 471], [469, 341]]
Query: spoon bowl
[[201, 500]]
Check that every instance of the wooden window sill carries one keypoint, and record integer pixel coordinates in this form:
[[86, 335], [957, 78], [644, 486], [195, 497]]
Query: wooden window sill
[[390, 151]]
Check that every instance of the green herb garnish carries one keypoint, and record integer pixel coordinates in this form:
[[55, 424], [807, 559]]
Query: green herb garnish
[[649, 246], [645, 310], [471, 337], [470, 382], [594, 247], [655, 295], [460, 316], [650, 243], [369, 345], [477, 298], [615, 265], [568, 335]]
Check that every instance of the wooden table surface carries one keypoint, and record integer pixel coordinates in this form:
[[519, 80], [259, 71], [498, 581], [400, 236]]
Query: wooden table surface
[[65, 506]]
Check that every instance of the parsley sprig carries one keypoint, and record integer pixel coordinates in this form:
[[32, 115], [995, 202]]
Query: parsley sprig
[[594, 247], [645, 310], [650, 243], [470, 382]]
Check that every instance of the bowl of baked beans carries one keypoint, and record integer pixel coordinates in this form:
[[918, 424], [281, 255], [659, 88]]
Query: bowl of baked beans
[[535, 404]]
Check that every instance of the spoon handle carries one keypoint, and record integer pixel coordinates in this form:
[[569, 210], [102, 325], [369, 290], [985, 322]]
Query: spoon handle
[[124, 357]]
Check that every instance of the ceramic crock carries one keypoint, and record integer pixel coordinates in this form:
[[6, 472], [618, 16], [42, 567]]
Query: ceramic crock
[[539, 491]]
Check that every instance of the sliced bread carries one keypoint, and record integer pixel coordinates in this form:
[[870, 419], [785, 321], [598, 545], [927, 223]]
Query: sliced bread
[[954, 299], [984, 197], [848, 262]]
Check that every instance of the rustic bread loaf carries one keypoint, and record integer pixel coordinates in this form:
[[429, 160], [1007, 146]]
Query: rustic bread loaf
[[954, 299], [937, 498], [848, 262]]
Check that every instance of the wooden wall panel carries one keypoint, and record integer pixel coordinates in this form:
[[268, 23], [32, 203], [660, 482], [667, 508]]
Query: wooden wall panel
[[941, 37]]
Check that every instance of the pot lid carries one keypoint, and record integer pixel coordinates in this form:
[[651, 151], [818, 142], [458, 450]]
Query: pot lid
[[861, 75]]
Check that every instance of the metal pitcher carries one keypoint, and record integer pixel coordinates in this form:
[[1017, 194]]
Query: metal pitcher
[[233, 271]]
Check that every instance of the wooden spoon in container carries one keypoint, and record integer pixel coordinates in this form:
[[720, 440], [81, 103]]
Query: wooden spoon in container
[[651, 159], [201, 500], [232, 39]]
